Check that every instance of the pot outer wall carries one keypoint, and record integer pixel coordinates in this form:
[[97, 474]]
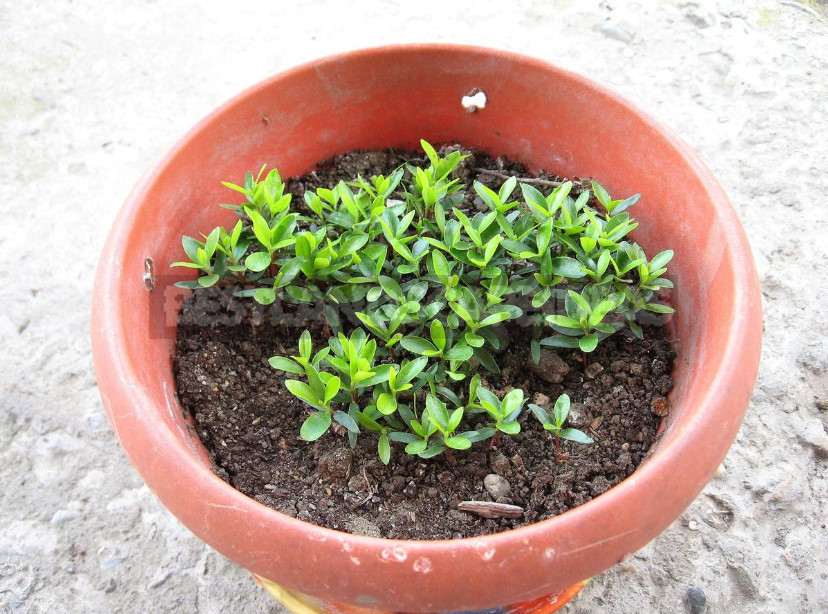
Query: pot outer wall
[[372, 99]]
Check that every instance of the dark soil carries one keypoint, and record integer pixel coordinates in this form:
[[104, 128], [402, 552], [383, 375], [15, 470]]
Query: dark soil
[[249, 422]]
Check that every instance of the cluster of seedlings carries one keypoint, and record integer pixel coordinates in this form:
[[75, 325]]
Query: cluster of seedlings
[[433, 284]]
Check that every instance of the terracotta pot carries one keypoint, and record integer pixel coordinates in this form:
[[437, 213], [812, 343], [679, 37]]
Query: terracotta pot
[[393, 96]]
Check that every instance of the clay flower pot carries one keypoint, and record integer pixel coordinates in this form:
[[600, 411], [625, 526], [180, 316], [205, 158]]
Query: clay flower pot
[[394, 96]]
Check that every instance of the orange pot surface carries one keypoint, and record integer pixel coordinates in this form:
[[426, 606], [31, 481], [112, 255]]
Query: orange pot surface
[[393, 96]]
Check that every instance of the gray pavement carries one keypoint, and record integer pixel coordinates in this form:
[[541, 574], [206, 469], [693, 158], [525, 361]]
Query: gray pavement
[[91, 93]]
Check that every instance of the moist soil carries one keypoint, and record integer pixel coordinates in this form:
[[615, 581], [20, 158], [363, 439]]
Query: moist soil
[[249, 422]]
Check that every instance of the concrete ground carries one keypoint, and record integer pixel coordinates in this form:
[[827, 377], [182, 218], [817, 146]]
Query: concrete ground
[[91, 93]]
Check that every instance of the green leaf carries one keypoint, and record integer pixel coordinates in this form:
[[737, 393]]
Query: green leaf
[[567, 267], [212, 242], [659, 308], [562, 406], [300, 294], [474, 340], [260, 227], [462, 312], [560, 341], [384, 449], [399, 247], [440, 264], [287, 273], [418, 345], [430, 152], [540, 413], [510, 428], [487, 360], [285, 364], [601, 310], [305, 345], [581, 302], [661, 259], [536, 351], [564, 321], [540, 299], [454, 419], [188, 285], [265, 296], [602, 195], [575, 435], [438, 334], [258, 261], [410, 370], [208, 280], [380, 375], [495, 318], [437, 412], [512, 401], [303, 391], [416, 447], [332, 386], [588, 343], [315, 426], [386, 403], [368, 422], [458, 443], [373, 294], [392, 288], [459, 352], [191, 246], [347, 421]]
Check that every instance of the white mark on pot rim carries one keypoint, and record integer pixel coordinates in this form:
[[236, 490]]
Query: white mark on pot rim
[[474, 101], [422, 565], [485, 551], [346, 547], [317, 538], [549, 553], [356, 561], [397, 553]]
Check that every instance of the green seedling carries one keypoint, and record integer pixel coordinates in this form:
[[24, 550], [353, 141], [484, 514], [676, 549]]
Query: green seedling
[[556, 422], [583, 325]]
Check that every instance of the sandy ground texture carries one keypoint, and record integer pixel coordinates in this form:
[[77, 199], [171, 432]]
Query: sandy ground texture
[[93, 92]]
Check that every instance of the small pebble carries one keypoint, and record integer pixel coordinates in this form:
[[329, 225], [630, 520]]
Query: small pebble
[[660, 407], [541, 399], [695, 600], [577, 415], [160, 578], [335, 464], [445, 477], [593, 369], [693, 525], [497, 486], [112, 563], [551, 368], [62, 516], [499, 464], [410, 491], [616, 33]]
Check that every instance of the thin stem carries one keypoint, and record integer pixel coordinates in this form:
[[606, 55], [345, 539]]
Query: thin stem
[[494, 440], [532, 180]]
